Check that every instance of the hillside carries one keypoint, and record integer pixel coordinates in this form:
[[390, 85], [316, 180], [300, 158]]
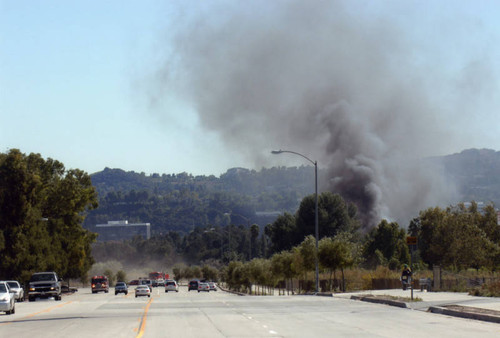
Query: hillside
[[241, 196], [475, 173], [181, 201]]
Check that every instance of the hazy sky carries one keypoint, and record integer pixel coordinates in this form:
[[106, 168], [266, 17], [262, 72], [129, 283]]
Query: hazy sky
[[80, 80]]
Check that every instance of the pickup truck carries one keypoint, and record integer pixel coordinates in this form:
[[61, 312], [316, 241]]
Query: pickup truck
[[44, 285]]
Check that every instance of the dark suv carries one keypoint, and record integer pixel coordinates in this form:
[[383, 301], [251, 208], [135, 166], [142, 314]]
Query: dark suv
[[193, 285], [44, 285], [121, 287]]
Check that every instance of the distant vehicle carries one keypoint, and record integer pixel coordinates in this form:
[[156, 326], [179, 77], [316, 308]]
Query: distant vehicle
[[193, 285], [142, 290], [99, 283], [156, 277], [134, 282], [171, 285], [7, 299], [17, 288], [148, 283], [44, 285], [213, 286], [121, 287], [203, 287], [161, 282]]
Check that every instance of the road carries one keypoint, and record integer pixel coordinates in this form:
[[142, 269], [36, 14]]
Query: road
[[220, 314]]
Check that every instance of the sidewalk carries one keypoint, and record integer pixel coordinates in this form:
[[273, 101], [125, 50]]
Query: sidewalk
[[458, 304]]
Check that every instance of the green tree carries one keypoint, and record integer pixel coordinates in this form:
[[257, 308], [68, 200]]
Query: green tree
[[196, 270], [337, 253], [334, 216], [121, 276], [282, 233], [328, 257], [209, 273], [305, 256], [282, 266], [178, 271], [458, 237], [111, 276], [388, 239], [254, 235], [42, 207]]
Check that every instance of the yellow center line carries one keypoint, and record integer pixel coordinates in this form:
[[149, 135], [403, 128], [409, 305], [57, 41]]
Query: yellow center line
[[37, 313], [142, 325]]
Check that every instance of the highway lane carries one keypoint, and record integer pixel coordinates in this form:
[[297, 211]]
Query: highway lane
[[219, 314]]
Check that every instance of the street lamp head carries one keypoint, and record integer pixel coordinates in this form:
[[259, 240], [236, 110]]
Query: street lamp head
[[276, 152]]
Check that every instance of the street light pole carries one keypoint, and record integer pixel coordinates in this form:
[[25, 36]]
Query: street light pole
[[316, 226]]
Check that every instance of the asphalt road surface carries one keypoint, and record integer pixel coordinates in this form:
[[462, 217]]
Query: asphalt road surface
[[220, 314]]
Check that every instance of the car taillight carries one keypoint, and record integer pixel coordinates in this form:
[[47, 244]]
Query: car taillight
[[93, 285]]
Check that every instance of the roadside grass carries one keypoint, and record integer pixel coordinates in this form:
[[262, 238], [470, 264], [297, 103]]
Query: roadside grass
[[399, 299], [487, 290]]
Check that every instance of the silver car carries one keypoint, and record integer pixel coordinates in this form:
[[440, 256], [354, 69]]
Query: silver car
[[17, 288], [213, 286], [203, 287], [142, 290], [171, 285], [7, 299]]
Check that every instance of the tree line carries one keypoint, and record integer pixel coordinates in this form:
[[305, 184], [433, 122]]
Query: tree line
[[43, 205], [455, 238]]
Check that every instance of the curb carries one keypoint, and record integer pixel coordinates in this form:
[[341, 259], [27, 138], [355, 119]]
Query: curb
[[381, 301], [464, 314], [434, 309], [320, 294], [233, 292], [324, 294]]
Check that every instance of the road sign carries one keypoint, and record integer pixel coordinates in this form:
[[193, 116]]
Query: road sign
[[411, 240]]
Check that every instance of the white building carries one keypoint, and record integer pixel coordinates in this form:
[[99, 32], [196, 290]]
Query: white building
[[119, 230]]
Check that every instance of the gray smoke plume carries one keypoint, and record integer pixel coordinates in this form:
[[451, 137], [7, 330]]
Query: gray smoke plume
[[310, 76]]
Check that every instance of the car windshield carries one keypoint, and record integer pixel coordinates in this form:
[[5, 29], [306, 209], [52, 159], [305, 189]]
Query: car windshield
[[13, 284], [43, 277], [120, 284], [3, 288], [99, 280]]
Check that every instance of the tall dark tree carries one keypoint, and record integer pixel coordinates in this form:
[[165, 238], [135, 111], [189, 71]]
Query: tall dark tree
[[254, 236], [334, 216], [389, 240], [283, 233], [42, 207]]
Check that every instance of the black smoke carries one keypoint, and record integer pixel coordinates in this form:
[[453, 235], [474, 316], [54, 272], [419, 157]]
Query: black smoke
[[316, 78]]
